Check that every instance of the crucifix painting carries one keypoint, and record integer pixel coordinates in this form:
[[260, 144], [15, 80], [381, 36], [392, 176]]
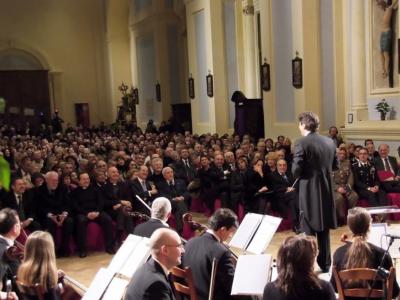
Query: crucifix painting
[[384, 43]]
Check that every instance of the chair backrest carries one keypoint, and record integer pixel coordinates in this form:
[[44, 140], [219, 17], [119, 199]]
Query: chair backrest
[[362, 274], [30, 290], [183, 282]]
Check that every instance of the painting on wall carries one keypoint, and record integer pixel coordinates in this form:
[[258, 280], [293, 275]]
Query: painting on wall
[[384, 46]]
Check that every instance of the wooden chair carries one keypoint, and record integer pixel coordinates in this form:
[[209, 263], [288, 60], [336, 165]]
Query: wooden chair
[[30, 290], [183, 282], [362, 274]]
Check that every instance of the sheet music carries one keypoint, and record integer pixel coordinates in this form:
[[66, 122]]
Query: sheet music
[[136, 259], [245, 231], [264, 234], [251, 275], [116, 289], [126, 249], [98, 285]]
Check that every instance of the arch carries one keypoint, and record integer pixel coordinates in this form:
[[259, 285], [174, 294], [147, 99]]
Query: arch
[[15, 59], [23, 54]]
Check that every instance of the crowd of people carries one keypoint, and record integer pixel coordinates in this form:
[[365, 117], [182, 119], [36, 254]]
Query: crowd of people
[[64, 180]]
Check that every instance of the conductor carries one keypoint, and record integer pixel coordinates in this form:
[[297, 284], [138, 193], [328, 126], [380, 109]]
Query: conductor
[[314, 158]]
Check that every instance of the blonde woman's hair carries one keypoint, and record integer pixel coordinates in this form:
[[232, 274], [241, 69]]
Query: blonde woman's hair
[[39, 264]]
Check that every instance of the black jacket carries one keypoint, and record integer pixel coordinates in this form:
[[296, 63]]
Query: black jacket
[[146, 229], [199, 254], [149, 283]]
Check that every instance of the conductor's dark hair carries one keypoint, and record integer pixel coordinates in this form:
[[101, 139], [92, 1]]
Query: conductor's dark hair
[[223, 217], [238, 96], [8, 218], [310, 120]]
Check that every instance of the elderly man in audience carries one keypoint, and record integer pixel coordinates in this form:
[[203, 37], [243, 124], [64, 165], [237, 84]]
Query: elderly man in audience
[[87, 207], [152, 280], [285, 193], [54, 210], [21, 200], [388, 170], [343, 180], [116, 199], [160, 213], [175, 190]]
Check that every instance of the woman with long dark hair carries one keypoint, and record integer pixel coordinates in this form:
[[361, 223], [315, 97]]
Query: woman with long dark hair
[[358, 252], [296, 278]]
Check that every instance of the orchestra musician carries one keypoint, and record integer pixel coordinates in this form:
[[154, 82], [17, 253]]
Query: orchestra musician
[[10, 228], [296, 278], [200, 252], [39, 266], [160, 213], [358, 252], [152, 280]]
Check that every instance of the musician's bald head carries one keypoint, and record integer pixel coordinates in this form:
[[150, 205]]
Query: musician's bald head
[[166, 247]]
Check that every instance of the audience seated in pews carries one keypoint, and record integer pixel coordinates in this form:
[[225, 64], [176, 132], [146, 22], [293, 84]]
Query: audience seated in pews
[[296, 278], [152, 280], [358, 252], [215, 165]]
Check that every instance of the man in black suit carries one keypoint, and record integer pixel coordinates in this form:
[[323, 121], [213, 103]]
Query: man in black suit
[[200, 252], [141, 186], [175, 190], [116, 198], [54, 209], [151, 281], [387, 163], [10, 228], [183, 168], [160, 213], [366, 181], [87, 207], [314, 158], [21, 201], [285, 194]]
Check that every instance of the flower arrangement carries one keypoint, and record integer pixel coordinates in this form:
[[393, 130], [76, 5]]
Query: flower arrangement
[[383, 107]]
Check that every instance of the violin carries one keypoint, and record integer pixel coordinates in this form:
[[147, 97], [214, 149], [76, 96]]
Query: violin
[[137, 215], [195, 226]]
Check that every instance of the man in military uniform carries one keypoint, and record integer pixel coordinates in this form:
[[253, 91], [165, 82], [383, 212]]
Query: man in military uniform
[[366, 181], [343, 186]]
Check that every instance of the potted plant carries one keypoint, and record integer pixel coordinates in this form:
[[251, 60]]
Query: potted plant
[[383, 107]]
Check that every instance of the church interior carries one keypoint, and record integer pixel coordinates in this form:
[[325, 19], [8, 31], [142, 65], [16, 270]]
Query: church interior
[[208, 69]]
